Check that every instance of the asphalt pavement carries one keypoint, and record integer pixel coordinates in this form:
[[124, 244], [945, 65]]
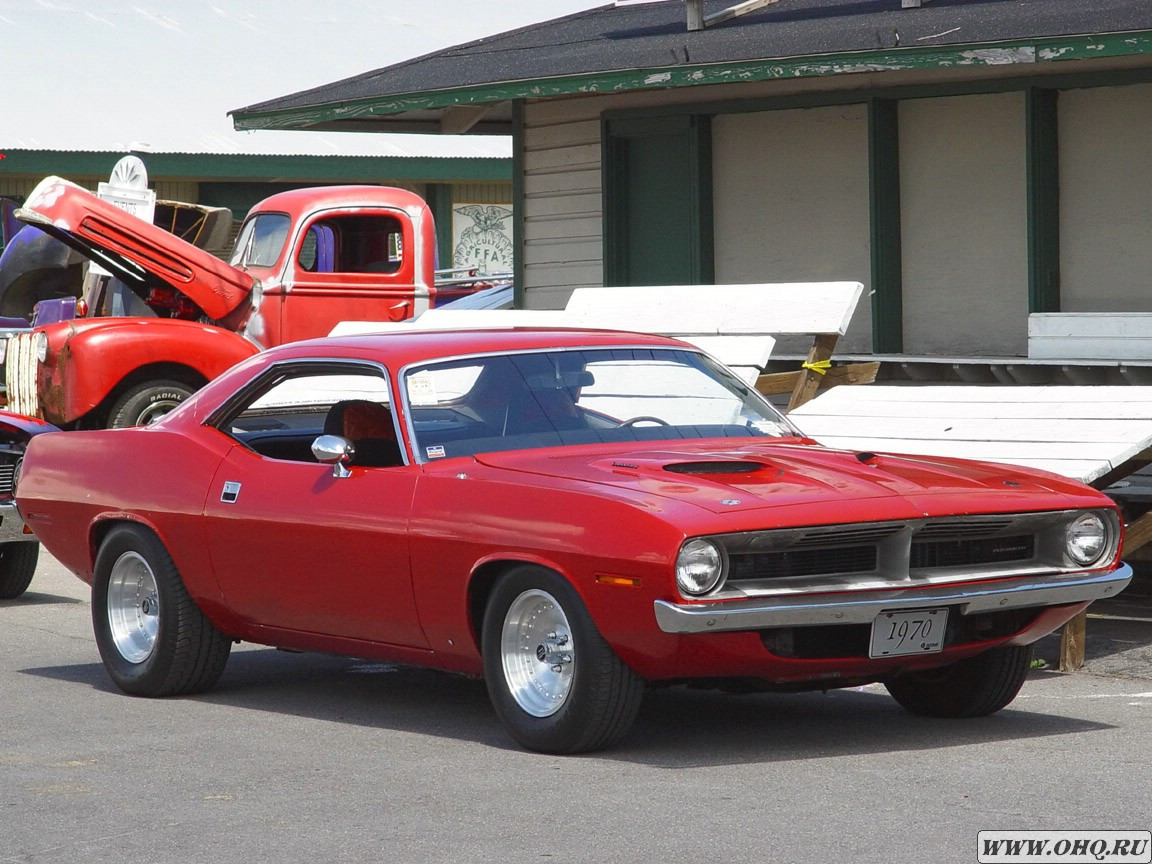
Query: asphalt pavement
[[307, 758]]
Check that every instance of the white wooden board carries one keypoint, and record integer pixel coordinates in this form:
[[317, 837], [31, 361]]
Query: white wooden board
[[1096, 335], [785, 308], [1080, 432]]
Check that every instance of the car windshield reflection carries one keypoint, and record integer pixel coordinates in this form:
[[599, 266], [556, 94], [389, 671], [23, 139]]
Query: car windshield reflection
[[556, 398]]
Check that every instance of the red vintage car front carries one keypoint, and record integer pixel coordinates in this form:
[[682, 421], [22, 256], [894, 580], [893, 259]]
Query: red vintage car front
[[573, 515]]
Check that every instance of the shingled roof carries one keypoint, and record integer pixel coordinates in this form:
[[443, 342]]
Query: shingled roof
[[637, 46]]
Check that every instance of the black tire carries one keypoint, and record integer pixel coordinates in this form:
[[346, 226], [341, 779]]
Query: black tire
[[17, 566], [145, 403], [974, 687], [184, 654], [602, 696]]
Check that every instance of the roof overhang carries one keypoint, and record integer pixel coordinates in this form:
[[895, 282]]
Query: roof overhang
[[457, 110]]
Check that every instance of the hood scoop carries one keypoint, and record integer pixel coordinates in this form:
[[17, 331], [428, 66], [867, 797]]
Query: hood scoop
[[714, 466]]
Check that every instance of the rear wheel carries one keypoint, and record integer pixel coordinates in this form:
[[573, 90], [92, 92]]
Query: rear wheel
[[152, 637], [552, 678], [17, 566], [974, 687], [146, 403]]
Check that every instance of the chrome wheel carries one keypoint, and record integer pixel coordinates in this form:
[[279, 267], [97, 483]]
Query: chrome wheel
[[133, 607], [156, 410], [537, 653]]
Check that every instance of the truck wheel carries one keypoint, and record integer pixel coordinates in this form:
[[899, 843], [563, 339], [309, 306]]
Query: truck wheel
[[17, 564], [974, 687], [152, 637], [146, 403], [552, 678]]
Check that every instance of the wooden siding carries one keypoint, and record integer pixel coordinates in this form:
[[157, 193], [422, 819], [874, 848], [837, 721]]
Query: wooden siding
[[562, 210]]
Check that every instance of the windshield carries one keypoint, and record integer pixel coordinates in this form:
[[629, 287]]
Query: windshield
[[582, 396], [260, 241]]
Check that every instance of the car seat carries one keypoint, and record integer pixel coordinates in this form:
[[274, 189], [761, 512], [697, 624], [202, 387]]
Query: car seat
[[370, 428]]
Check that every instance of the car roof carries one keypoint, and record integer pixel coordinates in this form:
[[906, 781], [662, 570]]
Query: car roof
[[409, 346]]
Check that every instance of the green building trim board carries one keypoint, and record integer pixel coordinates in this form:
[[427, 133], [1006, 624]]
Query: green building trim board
[[885, 226], [1043, 172], [1035, 52], [285, 168]]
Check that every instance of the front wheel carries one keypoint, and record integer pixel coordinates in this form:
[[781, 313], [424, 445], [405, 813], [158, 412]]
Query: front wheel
[[17, 566], [974, 687], [554, 681], [146, 403], [152, 637]]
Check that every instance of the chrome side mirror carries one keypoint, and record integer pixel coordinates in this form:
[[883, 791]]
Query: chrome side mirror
[[336, 451]]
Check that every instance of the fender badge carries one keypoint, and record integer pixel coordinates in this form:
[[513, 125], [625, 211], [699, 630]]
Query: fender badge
[[231, 492], [731, 502]]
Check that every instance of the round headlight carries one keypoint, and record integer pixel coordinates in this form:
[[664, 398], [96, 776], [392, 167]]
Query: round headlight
[[699, 567], [1086, 538], [40, 343]]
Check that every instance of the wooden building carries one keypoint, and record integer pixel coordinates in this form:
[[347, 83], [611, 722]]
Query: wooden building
[[971, 163]]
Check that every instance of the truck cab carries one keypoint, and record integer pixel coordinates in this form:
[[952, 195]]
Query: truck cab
[[171, 317]]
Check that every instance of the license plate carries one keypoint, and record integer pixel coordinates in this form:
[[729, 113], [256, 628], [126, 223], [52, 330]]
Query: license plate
[[920, 631]]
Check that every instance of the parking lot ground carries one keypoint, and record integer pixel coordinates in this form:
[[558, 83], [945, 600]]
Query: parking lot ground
[[300, 757]]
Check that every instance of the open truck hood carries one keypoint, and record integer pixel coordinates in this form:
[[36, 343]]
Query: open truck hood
[[129, 247]]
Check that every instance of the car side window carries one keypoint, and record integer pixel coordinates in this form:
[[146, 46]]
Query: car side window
[[294, 406]]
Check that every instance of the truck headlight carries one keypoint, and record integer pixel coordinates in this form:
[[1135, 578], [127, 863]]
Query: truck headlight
[[699, 567], [40, 343], [1086, 538]]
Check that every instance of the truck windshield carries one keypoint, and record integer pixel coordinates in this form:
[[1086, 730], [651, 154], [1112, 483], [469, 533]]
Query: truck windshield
[[261, 241]]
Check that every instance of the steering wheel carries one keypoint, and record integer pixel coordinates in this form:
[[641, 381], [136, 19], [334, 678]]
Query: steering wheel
[[643, 418]]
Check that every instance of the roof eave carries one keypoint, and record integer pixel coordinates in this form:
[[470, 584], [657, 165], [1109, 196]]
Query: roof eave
[[370, 113]]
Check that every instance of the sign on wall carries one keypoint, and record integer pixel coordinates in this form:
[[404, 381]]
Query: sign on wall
[[482, 237]]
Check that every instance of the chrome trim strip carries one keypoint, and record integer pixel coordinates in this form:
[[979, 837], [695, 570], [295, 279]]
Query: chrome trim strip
[[863, 607]]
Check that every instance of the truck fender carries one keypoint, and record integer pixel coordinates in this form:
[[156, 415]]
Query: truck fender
[[100, 356]]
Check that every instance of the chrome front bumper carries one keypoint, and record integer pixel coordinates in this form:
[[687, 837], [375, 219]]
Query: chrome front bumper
[[805, 610]]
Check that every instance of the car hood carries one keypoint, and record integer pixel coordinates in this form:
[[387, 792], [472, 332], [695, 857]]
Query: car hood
[[755, 476], [125, 245]]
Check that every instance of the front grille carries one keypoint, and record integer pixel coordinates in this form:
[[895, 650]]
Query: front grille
[[898, 554], [959, 553], [7, 475], [802, 562], [20, 367]]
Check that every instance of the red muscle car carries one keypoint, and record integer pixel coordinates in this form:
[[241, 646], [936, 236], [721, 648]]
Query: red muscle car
[[572, 515]]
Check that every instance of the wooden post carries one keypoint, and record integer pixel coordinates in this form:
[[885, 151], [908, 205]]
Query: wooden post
[[821, 352], [1072, 643]]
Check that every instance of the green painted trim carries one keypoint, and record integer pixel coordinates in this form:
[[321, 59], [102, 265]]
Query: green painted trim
[[1057, 49], [884, 227], [210, 167], [1043, 155], [827, 98], [518, 204], [704, 241], [440, 201]]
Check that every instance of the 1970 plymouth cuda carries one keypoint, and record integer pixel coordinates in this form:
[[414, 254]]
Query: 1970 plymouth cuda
[[572, 515]]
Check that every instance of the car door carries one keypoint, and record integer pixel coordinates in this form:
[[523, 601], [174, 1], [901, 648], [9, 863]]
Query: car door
[[293, 545]]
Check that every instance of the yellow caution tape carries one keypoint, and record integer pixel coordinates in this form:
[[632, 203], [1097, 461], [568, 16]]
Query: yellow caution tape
[[820, 367]]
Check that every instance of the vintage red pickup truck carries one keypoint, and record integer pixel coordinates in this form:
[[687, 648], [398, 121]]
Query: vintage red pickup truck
[[172, 317]]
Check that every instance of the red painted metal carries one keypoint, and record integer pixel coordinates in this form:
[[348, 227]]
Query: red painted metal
[[387, 563]]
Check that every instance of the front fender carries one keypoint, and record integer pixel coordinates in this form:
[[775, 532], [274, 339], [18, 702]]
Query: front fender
[[89, 358]]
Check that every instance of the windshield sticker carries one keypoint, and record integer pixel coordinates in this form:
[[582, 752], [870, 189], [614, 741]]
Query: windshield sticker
[[436, 452], [421, 390], [767, 427]]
